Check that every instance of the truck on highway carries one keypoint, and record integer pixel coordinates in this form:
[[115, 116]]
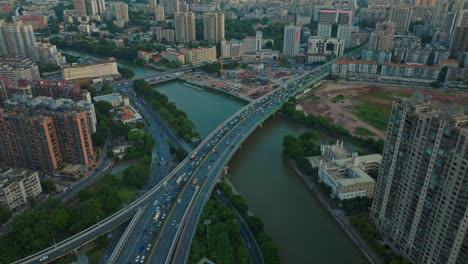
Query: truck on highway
[[156, 216], [195, 181], [193, 155], [179, 180]]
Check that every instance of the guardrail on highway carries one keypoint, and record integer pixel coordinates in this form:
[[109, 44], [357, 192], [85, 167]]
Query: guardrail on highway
[[125, 236]]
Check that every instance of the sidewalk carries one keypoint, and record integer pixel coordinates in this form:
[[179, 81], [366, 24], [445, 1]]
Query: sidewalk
[[340, 219]]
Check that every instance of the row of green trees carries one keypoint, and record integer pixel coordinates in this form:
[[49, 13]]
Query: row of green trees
[[267, 247], [36, 229], [174, 117]]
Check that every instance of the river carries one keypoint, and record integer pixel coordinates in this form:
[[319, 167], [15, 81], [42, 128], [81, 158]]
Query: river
[[303, 231]]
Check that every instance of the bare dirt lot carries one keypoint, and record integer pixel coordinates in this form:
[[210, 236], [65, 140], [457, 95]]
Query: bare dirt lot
[[364, 109]]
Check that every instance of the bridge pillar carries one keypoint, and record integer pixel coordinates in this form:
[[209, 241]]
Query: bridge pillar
[[226, 170], [274, 114], [261, 124]]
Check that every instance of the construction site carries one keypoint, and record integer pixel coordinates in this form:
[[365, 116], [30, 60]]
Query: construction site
[[364, 109]]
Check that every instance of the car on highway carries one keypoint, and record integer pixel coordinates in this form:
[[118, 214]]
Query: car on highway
[[148, 247], [173, 222], [209, 166], [155, 202], [137, 259], [164, 216], [142, 260], [43, 258]]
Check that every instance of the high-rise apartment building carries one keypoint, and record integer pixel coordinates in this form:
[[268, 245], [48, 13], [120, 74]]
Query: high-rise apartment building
[[121, 11], [401, 16], [383, 37], [80, 7], [335, 16], [184, 6], [420, 201], [41, 133], [18, 68], [18, 186], [91, 7], [440, 12], [152, 4], [170, 7], [459, 38], [344, 34], [213, 27], [159, 13], [292, 36], [16, 39], [184, 23]]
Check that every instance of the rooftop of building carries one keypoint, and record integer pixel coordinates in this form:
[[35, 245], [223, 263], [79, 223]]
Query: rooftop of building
[[9, 174], [108, 97], [15, 63], [416, 66], [345, 61], [45, 103], [88, 62]]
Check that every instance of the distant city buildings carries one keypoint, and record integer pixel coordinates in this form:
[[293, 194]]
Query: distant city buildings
[[37, 22], [198, 55], [173, 56], [420, 201], [18, 186], [184, 23], [291, 40], [170, 7], [355, 69], [348, 175], [213, 27], [159, 14], [459, 41]]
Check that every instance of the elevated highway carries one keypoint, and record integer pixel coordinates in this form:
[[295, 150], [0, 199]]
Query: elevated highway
[[183, 202]]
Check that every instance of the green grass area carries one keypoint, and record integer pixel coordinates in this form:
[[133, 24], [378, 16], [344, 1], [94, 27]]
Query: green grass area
[[375, 115], [362, 131], [382, 95], [339, 98]]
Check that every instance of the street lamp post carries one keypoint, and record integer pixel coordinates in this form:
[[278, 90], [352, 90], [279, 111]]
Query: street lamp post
[[207, 222]]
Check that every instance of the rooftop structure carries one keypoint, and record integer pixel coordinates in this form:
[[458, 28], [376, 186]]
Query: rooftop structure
[[347, 174]]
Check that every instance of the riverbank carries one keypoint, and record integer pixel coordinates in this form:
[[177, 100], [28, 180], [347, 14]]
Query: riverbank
[[229, 94], [340, 219]]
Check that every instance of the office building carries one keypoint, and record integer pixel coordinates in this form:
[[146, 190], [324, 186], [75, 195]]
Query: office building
[[170, 7], [90, 70], [42, 133], [115, 99], [321, 49], [420, 202], [18, 68], [382, 38], [401, 17], [159, 15], [16, 39], [199, 55], [324, 30], [18, 186], [121, 11], [213, 27], [184, 24], [291, 40], [348, 175]]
